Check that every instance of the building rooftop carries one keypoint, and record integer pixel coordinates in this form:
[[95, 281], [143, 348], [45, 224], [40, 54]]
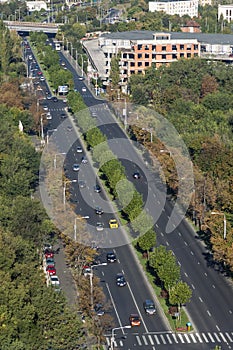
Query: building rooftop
[[148, 35]]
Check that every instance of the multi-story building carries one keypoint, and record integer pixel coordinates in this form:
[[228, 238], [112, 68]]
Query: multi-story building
[[226, 11], [139, 50], [175, 7]]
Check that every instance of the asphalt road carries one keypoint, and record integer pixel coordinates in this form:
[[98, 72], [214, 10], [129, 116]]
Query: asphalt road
[[211, 305]]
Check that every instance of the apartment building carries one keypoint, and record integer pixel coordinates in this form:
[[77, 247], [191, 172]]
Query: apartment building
[[175, 7], [226, 11]]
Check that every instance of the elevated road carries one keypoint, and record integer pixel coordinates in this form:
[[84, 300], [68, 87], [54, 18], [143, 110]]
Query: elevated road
[[49, 28]]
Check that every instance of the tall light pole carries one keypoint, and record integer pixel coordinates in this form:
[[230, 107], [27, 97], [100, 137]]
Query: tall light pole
[[55, 158], [75, 225], [224, 222], [91, 282], [113, 337], [64, 190], [42, 127], [47, 136]]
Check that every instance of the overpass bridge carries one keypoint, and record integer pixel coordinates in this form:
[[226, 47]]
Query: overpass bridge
[[48, 28]]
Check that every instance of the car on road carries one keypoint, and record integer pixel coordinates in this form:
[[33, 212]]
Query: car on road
[[99, 309], [98, 210], [149, 307], [48, 116], [81, 78], [84, 160], [42, 78], [84, 89], [79, 149], [63, 116], [82, 184], [120, 280], [111, 257], [49, 97], [134, 320], [136, 175], [76, 167], [45, 108], [50, 261], [54, 280], [48, 254], [99, 226], [51, 270], [97, 189], [113, 223], [55, 99]]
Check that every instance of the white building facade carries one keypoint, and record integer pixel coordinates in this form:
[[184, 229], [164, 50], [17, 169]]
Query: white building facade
[[174, 7], [36, 5], [226, 11]]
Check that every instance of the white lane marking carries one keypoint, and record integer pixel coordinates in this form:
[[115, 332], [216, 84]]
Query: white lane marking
[[192, 286], [151, 340], [230, 312], [185, 243], [211, 338], [186, 274], [108, 341], [167, 243], [114, 305], [123, 271], [157, 225], [199, 337], [102, 273], [205, 338], [137, 308], [174, 336], [216, 336], [121, 343], [193, 338], [179, 263], [208, 313], [157, 339], [213, 286], [162, 234], [187, 338], [205, 274], [191, 252], [200, 299], [224, 339], [179, 233], [163, 340], [229, 337], [144, 338], [181, 339], [138, 340], [217, 327], [169, 339]]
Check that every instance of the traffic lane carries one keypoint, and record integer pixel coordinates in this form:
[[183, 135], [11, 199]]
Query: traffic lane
[[209, 301]]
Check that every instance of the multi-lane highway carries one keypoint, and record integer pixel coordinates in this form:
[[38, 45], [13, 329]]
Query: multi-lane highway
[[211, 306]]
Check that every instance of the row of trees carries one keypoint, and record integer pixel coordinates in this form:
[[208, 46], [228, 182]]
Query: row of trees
[[196, 96]]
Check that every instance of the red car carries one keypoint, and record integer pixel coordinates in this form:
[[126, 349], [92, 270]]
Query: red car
[[51, 270]]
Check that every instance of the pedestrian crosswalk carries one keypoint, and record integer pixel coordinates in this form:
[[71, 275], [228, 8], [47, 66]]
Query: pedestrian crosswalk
[[169, 338]]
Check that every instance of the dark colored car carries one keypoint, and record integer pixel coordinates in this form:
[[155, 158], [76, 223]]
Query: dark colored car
[[82, 184], [99, 309], [98, 210], [149, 307], [55, 99], [84, 160], [120, 280], [63, 116], [50, 261], [97, 189], [111, 257], [136, 175]]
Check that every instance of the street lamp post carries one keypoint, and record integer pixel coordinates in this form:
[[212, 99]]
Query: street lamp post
[[75, 225], [64, 190], [42, 127], [47, 136], [55, 158], [224, 222], [113, 337], [91, 282]]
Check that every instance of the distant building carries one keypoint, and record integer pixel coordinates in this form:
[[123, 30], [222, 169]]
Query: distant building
[[205, 2], [191, 27], [226, 11], [36, 6], [175, 7]]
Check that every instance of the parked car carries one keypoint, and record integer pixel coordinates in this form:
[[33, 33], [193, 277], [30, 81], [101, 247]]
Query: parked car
[[50, 261], [97, 189], [48, 254], [134, 320], [99, 309], [120, 280], [54, 280], [51, 270], [79, 149], [149, 307]]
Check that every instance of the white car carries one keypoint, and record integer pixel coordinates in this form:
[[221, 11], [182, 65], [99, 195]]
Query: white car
[[79, 149], [54, 280], [48, 116], [84, 89], [99, 226]]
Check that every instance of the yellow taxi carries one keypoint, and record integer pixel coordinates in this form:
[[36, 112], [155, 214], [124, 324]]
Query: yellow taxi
[[113, 223]]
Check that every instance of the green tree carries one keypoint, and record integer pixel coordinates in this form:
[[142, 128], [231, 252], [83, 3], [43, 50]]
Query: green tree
[[147, 241], [180, 294]]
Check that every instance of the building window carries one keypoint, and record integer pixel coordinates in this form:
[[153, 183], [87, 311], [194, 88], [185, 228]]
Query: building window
[[195, 47], [164, 57], [153, 56], [174, 56], [139, 55], [181, 47], [153, 47], [140, 72], [147, 55], [189, 47], [139, 64], [174, 47], [131, 56], [164, 48], [132, 64], [124, 55], [188, 55], [195, 54], [147, 64], [139, 47], [182, 55], [147, 47], [132, 72]]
